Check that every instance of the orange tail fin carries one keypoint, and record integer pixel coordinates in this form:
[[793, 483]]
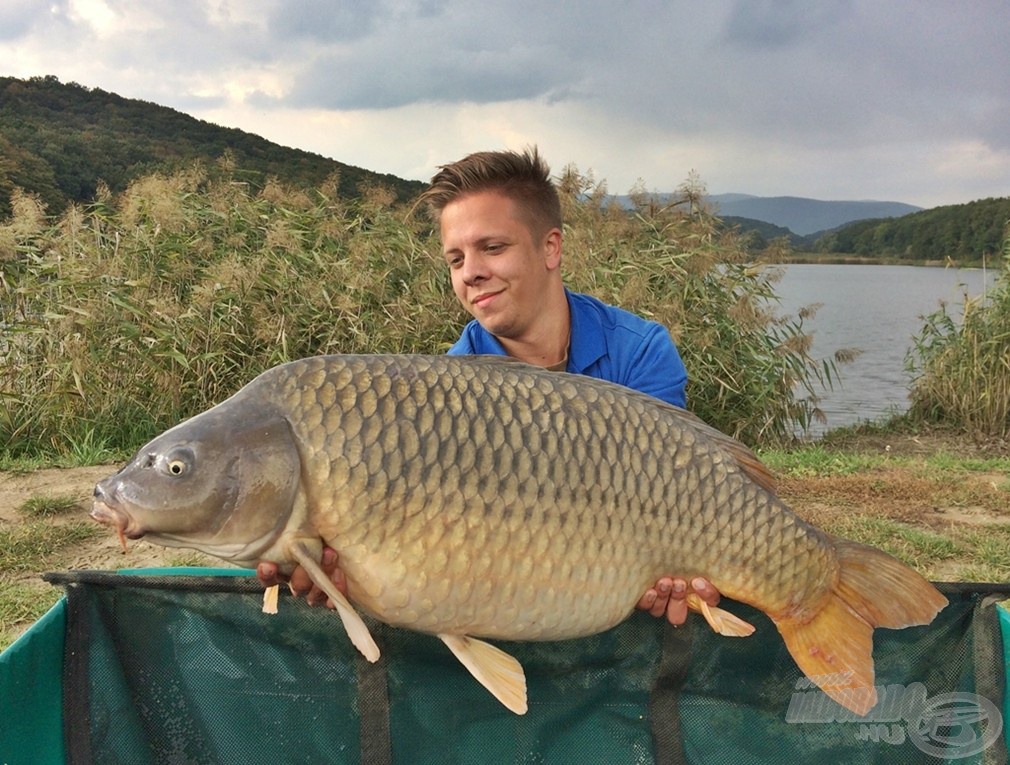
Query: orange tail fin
[[833, 646]]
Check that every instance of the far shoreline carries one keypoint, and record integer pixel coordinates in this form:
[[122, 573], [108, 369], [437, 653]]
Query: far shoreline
[[869, 260]]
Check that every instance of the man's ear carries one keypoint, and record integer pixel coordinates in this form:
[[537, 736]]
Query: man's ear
[[552, 249]]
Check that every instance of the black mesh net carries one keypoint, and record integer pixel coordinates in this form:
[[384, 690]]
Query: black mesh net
[[187, 669]]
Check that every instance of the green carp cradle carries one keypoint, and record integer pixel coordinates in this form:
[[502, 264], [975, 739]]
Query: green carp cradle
[[476, 497]]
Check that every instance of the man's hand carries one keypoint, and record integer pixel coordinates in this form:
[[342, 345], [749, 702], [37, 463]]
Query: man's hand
[[299, 581], [669, 597]]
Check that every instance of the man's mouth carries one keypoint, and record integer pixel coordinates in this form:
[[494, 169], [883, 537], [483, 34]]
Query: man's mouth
[[482, 300]]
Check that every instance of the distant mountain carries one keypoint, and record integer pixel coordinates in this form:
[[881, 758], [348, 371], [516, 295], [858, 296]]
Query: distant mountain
[[59, 140], [723, 198], [805, 216]]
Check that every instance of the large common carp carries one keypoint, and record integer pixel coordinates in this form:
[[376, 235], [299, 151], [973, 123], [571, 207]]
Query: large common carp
[[479, 497]]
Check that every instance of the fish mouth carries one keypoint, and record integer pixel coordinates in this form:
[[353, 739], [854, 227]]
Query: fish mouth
[[125, 526]]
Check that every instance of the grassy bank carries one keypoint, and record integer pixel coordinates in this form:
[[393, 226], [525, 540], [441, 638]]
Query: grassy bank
[[933, 498]]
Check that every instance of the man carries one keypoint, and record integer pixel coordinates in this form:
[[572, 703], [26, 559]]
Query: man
[[500, 221]]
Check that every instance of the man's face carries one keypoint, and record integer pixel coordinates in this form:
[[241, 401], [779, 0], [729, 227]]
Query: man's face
[[500, 269]]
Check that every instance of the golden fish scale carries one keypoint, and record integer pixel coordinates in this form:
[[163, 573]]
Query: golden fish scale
[[493, 499]]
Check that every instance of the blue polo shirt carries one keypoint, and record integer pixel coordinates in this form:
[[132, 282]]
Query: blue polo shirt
[[608, 343]]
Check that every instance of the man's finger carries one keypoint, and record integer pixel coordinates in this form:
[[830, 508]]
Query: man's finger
[[705, 590], [339, 580], [645, 602], [663, 589], [267, 573], [301, 583], [315, 596], [676, 611]]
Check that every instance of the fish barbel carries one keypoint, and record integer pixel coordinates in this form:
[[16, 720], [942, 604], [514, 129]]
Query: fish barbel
[[478, 497]]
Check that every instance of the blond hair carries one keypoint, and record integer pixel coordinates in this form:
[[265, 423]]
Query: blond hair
[[522, 177]]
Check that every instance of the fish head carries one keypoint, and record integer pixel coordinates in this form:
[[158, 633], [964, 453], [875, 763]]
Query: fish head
[[225, 482]]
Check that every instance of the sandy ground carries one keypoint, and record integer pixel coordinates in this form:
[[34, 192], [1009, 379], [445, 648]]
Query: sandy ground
[[101, 552]]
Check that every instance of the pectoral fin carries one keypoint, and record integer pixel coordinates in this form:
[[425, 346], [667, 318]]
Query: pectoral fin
[[718, 619], [494, 669], [356, 628]]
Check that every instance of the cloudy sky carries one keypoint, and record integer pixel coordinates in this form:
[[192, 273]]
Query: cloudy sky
[[904, 100]]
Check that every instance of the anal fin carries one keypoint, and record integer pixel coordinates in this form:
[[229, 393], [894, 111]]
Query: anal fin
[[720, 620], [355, 626], [496, 670]]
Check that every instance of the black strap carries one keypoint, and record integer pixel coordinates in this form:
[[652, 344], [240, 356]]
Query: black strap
[[990, 672], [76, 660], [664, 699], [373, 705]]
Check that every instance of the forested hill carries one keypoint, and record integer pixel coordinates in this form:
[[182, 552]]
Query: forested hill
[[959, 232], [59, 140]]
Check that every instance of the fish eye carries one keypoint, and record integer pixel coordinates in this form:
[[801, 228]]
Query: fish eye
[[178, 462]]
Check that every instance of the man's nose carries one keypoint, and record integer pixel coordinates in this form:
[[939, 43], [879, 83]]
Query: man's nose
[[474, 269]]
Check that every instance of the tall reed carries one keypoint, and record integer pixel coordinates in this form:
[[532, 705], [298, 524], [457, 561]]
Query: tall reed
[[119, 319], [961, 367]]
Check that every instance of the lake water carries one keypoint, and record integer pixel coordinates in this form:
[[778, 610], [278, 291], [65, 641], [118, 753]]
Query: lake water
[[877, 309]]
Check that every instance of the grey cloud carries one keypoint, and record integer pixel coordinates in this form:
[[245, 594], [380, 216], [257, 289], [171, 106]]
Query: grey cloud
[[431, 53], [777, 23], [188, 42], [829, 74], [191, 104], [842, 77], [18, 18], [324, 20], [381, 82], [835, 75]]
